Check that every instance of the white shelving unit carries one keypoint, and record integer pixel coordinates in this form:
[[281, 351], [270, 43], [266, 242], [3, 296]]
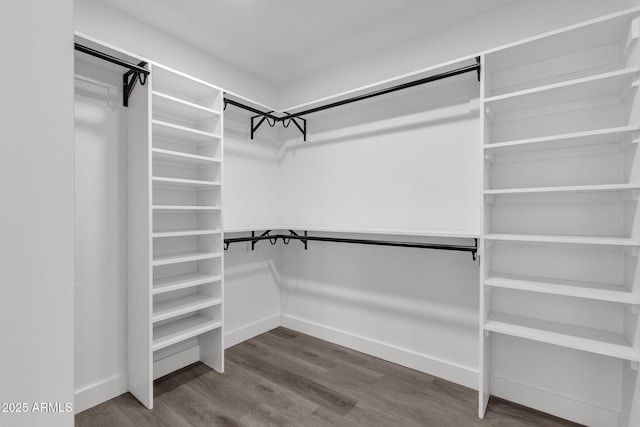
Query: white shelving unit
[[560, 223], [179, 303]]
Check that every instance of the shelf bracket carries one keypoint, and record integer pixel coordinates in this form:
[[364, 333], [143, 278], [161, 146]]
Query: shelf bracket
[[254, 127], [479, 67], [304, 241], [303, 129], [129, 80], [474, 254], [253, 242]]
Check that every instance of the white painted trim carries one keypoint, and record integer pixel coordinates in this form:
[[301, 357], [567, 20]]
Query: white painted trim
[[251, 330], [552, 403], [453, 234], [176, 361], [453, 372], [97, 393]]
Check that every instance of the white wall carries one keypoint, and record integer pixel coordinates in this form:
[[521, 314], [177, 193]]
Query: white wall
[[508, 24], [36, 171], [109, 25], [406, 161], [100, 231], [251, 198]]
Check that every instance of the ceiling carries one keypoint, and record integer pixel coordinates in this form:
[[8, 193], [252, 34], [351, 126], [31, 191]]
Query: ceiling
[[285, 40]]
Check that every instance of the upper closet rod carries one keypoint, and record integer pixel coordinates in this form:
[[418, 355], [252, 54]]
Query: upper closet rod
[[129, 79], [289, 118]]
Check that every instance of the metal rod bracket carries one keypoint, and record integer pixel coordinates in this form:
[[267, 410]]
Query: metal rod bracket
[[129, 80]]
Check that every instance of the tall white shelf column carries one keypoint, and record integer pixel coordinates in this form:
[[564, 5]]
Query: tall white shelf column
[[175, 207], [560, 239]]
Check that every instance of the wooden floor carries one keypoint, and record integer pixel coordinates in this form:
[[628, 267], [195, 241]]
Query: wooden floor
[[284, 378]]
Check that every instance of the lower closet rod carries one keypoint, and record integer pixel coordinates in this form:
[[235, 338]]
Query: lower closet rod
[[285, 238]]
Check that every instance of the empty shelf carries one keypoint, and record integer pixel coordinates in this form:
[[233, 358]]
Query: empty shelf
[[168, 80], [572, 90], [173, 208], [185, 110], [182, 233], [565, 189], [182, 133], [581, 240], [177, 307], [588, 290], [182, 281], [182, 158], [174, 332], [184, 257], [180, 182], [568, 140], [575, 337]]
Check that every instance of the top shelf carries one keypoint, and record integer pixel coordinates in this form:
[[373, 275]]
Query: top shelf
[[588, 87], [600, 32], [183, 86]]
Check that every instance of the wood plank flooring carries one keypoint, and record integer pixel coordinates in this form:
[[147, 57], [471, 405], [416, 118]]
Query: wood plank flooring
[[284, 378]]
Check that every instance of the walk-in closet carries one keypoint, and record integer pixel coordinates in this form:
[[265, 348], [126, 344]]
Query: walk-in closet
[[299, 213]]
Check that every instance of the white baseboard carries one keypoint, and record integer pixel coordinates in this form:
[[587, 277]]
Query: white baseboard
[[251, 330], [176, 361], [554, 404], [458, 374], [95, 394]]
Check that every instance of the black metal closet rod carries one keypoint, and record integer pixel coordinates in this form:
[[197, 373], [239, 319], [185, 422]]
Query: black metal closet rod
[[303, 126], [285, 238], [111, 59], [447, 74]]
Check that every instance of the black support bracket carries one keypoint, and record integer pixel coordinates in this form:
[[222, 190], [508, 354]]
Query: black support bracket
[[129, 80], [479, 67]]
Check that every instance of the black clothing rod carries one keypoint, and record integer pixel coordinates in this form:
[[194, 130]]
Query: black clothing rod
[[447, 74], [285, 238], [111, 59]]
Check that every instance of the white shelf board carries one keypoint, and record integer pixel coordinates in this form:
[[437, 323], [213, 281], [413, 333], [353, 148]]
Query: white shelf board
[[454, 234], [174, 208], [565, 189], [570, 288], [184, 257], [182, 281], [572, 90], [182, 233], [170, 156], [580, 240], [167, 79], [568, 140], [174, 332], [179, 182], [181, 133], [172, 106], [582, 36], [575, 337], [179, 306]]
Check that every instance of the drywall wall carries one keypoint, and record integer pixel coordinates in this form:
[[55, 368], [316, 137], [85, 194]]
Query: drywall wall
[[505, 25], [36, 171], [251, 199], [98, 20], [100, 232]]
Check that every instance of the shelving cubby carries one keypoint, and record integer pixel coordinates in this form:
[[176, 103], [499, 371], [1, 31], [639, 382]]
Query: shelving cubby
[[560, 238]]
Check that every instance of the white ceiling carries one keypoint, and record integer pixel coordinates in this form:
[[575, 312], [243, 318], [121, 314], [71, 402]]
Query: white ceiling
[[285, 40]]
